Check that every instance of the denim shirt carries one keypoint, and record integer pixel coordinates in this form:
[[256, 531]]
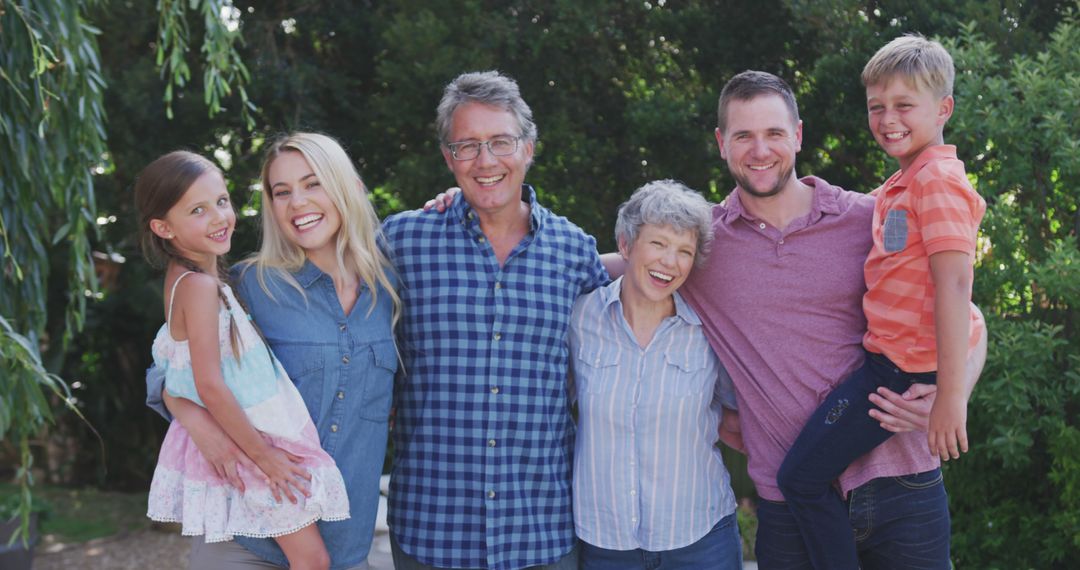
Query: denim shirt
[[343, 366]]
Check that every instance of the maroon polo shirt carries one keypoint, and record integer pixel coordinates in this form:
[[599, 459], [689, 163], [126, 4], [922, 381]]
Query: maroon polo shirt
[[783, 311]]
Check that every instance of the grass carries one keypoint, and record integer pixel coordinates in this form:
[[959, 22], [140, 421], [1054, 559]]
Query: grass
[[79, 515]]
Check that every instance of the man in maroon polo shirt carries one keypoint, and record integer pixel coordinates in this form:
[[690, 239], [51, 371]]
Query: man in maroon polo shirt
[[780, 297]]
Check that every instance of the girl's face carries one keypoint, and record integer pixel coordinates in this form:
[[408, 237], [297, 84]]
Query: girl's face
[[301, 207], [201, 223]]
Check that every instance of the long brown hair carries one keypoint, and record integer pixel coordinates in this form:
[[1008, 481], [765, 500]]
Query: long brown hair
[[157, 189]]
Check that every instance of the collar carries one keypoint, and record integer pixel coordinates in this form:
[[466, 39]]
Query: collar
[[928, 155], [308, 274], [610, 295], [826, 201], [461, 211]]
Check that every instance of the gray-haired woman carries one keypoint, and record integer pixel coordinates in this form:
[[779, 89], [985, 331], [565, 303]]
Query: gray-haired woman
[[650, 486]]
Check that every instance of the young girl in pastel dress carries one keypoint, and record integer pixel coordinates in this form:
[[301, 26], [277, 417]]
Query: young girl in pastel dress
[[213, 356]]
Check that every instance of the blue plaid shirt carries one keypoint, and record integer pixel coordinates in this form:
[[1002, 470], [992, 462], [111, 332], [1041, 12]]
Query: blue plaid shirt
[[483, 437]]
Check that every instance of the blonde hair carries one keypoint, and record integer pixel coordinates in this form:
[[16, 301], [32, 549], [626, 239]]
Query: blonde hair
[[924, 63], [357, 244]]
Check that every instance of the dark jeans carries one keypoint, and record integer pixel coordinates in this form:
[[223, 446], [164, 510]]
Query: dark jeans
[[721, 549], [899, 523], [839, 432]]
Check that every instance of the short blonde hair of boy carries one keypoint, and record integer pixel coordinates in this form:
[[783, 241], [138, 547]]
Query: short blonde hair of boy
[[924, 63], [358, 244]]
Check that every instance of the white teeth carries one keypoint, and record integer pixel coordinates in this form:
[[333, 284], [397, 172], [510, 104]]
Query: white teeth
[[490, 179], [662, 276], [219, 234], [307, 220], [895, 136], [763, 167]]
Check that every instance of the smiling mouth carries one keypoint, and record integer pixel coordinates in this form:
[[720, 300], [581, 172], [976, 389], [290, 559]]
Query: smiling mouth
[[220, 235], [896, 136], [661, 276], [305, 222], [762, 167], [490, 180]]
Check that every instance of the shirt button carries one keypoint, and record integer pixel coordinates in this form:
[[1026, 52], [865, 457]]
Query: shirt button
[[633, 492], [494, 389], [491, 443], [781, 242], [341, 395], [480, 239], [345, 359], [333, 428], [471, 215], [761, 225], [497, 336], [633, 519], [341, 327], [498, 284], [491, 494]]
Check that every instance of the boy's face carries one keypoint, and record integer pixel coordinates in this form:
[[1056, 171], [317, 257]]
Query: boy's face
[[905, 119]]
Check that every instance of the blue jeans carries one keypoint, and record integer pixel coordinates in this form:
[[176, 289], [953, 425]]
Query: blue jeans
[[402, 561], [837, 433], [721, 549], [898, 523]]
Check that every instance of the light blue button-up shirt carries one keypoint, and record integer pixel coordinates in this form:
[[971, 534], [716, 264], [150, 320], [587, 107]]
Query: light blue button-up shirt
[[647, 472], [343, 366]]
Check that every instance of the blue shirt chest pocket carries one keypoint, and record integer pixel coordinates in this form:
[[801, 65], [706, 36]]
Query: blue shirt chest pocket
[[686, 373], [377, 381], [895, 231], [596, 371], [305, 366]]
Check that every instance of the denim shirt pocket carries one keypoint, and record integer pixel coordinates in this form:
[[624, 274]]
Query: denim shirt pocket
[[685, 374], [379, 382], [305, 366]]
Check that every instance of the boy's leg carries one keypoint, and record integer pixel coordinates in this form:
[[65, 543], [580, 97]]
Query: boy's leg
[[837, 433], [902, 522], [779, 545], [596, 558]]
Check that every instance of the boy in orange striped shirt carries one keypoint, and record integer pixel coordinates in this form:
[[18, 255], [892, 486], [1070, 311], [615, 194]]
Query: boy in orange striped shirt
[[921, 324]]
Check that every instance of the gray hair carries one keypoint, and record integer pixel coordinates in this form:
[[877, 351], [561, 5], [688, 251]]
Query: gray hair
[[666, 203], [487, 88]]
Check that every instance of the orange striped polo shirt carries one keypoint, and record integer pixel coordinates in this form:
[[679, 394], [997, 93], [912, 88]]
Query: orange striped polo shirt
[[927, 209]]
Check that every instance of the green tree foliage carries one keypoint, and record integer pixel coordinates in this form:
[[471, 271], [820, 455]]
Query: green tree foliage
[[1016, 496], [623, 93], [52, 134], [52, 146]]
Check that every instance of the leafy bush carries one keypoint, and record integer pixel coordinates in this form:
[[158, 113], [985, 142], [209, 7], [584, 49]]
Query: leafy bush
[[1016, 496]]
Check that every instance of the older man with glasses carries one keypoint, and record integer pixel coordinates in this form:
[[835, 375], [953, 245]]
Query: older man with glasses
[[483, 437]]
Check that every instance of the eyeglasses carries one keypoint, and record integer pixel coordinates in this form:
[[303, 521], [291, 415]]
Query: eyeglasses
[[501, 145]]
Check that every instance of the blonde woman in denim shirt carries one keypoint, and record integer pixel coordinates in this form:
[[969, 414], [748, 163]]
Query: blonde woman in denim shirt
[[323, 294]]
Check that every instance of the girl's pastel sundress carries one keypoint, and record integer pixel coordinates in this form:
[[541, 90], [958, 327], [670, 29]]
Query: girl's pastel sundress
[[185, 487]]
